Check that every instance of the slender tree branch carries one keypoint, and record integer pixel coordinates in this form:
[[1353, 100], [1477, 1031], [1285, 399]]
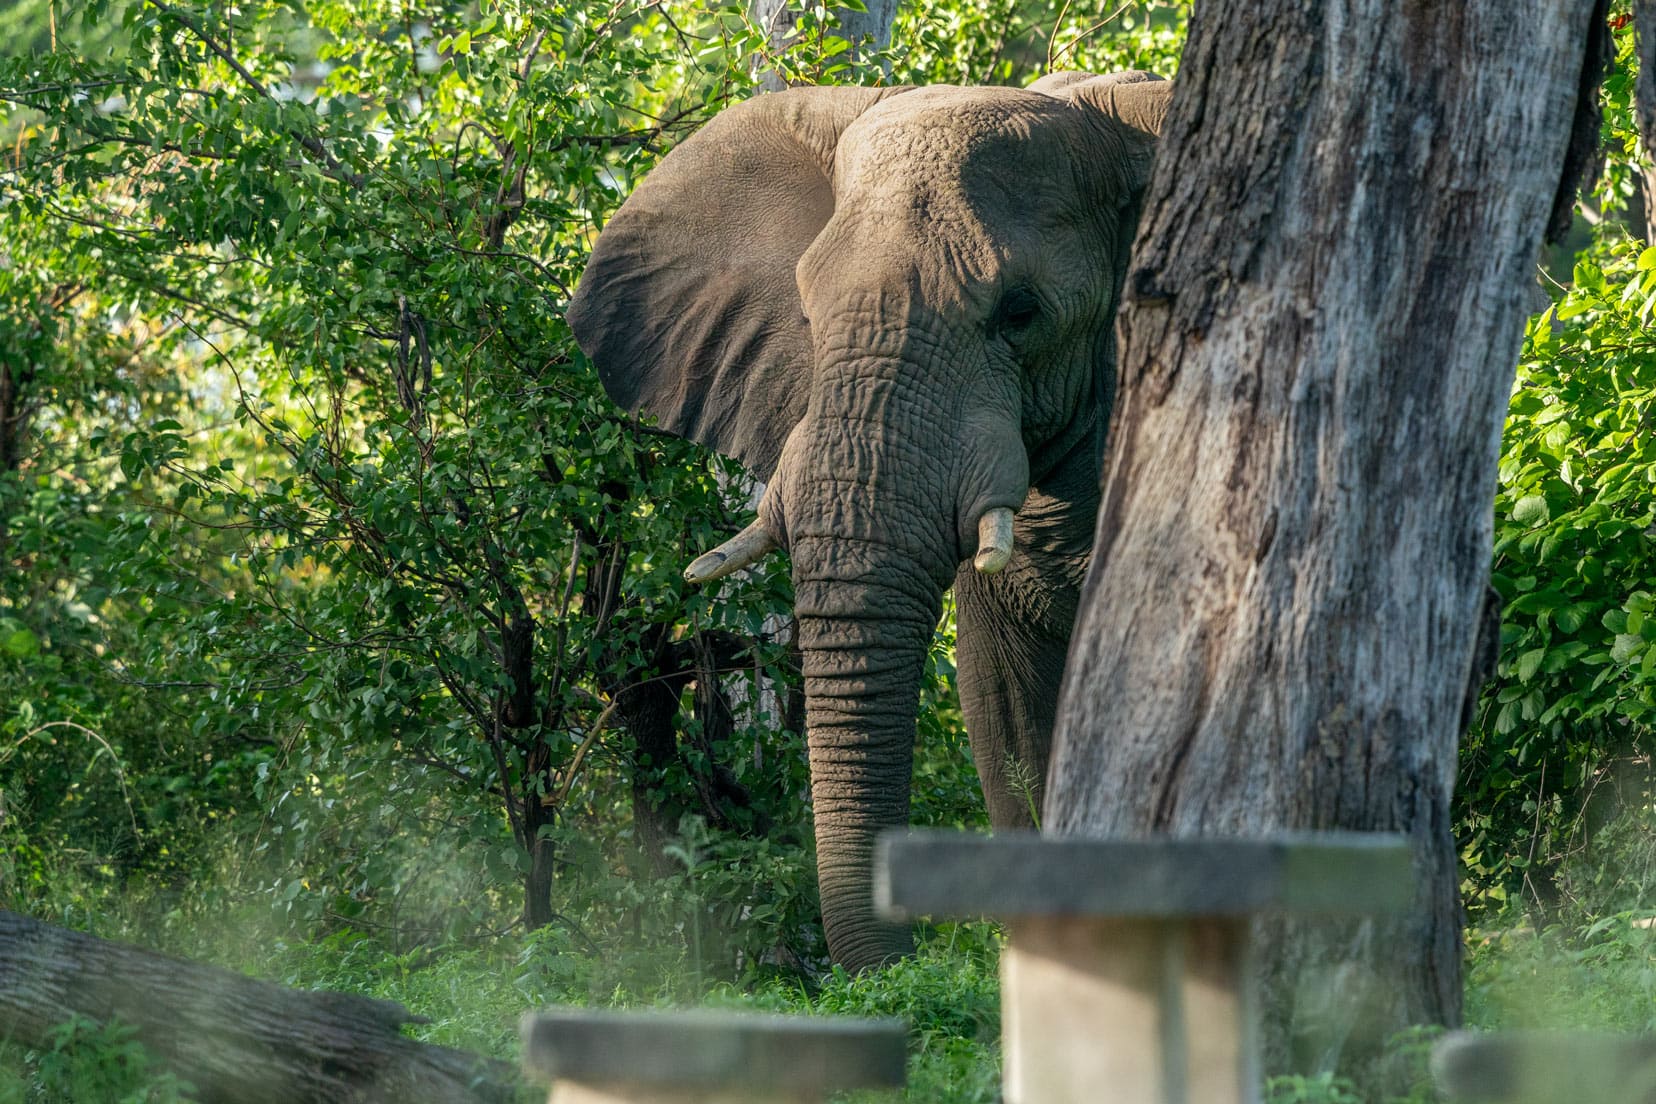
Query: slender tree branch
[[312, 144]]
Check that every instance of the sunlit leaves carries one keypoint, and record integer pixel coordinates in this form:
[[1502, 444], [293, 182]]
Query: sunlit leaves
[[356, 225], [1014, 41], [1575, 559], [319, 454]]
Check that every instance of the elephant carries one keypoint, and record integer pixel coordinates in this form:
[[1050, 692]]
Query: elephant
[[895, 307]]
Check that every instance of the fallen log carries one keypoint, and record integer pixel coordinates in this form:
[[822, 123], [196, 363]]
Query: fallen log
[[235, 1038]]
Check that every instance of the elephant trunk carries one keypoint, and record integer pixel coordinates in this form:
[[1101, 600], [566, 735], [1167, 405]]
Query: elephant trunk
[[864, 648], [879, 503]]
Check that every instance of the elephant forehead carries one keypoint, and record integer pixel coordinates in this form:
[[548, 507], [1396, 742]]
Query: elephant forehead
[[987, 148], [941, 190]]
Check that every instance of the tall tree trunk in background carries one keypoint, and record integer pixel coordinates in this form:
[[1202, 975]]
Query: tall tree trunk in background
[[854, 26], [21, 396], [14, 417], [1318, 335], [1644, 102]]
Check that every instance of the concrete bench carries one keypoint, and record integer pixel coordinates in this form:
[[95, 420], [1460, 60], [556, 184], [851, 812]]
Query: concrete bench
[[1126, 975], [707, 1056], [1545, 1067]]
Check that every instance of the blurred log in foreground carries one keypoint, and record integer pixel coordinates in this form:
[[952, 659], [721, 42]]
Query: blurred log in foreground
[[234, 1038]]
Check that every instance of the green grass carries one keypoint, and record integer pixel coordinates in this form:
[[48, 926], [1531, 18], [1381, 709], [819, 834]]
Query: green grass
[[948, 992], [1602, 975], [474, 994], [1588, 971]]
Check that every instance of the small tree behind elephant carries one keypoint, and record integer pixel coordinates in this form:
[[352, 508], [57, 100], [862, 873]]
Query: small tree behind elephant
[[894, 306]]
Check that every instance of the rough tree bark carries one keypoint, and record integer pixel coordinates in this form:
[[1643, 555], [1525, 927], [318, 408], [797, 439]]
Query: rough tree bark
[[1318, 336], [237, 1039]]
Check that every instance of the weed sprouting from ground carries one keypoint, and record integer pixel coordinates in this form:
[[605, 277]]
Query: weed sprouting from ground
[[86, 1061]]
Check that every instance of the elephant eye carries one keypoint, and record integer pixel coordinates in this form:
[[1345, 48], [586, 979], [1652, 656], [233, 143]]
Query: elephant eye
[[1016, 312]]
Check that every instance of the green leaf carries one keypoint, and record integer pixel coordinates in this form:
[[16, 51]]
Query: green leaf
[[20, 643], [1626, 647], [1531, 510]]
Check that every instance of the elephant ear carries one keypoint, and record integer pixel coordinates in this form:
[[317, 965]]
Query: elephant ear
[[1132, 104], [688, 306]]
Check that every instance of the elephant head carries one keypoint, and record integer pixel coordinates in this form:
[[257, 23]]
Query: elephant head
[[894, 306]]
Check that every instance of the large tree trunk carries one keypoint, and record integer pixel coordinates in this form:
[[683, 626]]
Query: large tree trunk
[[237, 1039], [1644, 103], [1318, 334]]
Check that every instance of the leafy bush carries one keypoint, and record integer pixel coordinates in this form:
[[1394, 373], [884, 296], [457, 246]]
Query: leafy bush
[[88, 1062], [1561, 744], [1015, 41], [1566, 732], [409, 565], [1599, 975], [1323, 1088]]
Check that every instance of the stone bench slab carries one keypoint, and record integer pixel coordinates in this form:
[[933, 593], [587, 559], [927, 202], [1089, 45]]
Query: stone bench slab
[[737, 1052], [943, 873], [1545, 1067]]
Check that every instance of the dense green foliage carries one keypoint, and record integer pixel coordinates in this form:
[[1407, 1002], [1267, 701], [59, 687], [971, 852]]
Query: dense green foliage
[[340, 612], [387, 529], [311, 505], [1567, 732], [1562, 744], [342, 637]]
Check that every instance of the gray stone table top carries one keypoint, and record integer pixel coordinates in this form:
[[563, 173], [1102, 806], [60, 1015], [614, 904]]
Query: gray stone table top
[[706, 1048], [1546, 1067], [938, 873]]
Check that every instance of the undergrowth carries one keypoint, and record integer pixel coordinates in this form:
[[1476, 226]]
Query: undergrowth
[[1601, 975], [473, 995]]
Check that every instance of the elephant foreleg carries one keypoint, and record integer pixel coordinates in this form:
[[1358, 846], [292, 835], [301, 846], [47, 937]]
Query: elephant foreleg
[[1010, 653]]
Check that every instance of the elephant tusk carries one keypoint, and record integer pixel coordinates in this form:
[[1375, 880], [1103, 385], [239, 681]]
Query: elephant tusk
[[747, 547], [994, 540]]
